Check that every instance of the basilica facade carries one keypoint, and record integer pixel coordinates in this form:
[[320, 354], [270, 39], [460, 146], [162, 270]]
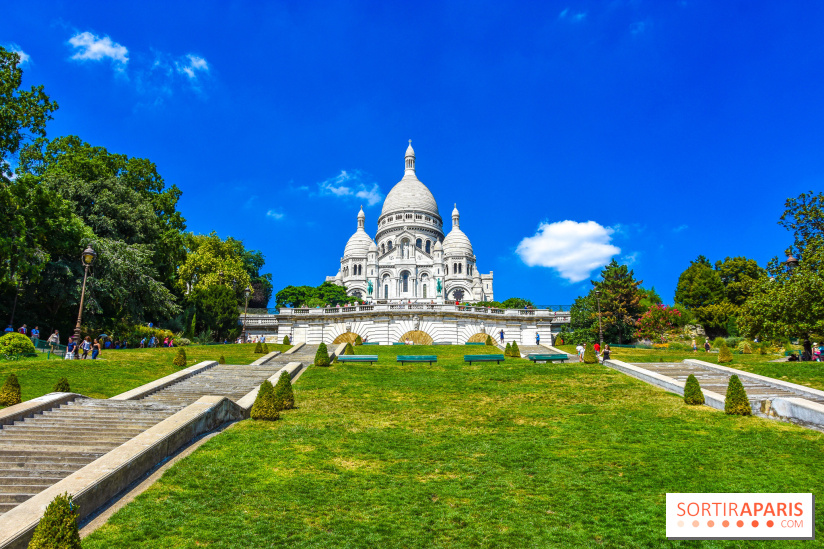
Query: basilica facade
[[410, 258]]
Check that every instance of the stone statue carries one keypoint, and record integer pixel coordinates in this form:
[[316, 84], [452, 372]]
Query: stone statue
[[483, 327], [348, 327], [369, 287], [416, 322]]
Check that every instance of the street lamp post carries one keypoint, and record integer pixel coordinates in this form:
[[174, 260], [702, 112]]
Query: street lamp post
[[600, 328], [791, 264], [246, 293], [87, 257]]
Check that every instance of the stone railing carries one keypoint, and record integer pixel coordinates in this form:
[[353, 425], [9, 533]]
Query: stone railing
[[560, 316]]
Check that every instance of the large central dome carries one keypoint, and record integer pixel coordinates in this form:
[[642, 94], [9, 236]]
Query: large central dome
[[409, 193]]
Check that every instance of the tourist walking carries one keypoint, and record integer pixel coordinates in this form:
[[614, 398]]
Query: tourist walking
[[95, 349], [606, 351], [23, 329], [54, 340], [70, 350], [35, 334], [142, 343], [707, 345], [580, 349], [537, 338], [502, 337], [694, 346], [597, 348], [86, 346]]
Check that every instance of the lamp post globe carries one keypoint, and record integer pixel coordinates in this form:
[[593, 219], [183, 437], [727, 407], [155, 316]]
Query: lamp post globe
[[791, 262]]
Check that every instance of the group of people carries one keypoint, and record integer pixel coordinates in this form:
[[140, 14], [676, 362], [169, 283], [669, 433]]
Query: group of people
[[153, 341], [80, 351], [602, 354], [251, 339]]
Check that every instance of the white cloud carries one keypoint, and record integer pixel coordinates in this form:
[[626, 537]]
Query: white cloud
[[680, 228], [274, 214], [91, 47], [574, 17], [630, 259], [571, 248], [24, 57], [191, 65], [351, 184]]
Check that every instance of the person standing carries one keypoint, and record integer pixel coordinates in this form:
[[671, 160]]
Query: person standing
[[35, 335], [86, 346], [23, 329], [70, 350], [537, 338], [707, 345], [580, 349], [95, 349], [54, 340], [694, 346], [8, 329], [606, 351], [502, 336], [597, 348]]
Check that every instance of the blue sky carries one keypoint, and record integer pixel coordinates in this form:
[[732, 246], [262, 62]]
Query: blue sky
[[567, 132]]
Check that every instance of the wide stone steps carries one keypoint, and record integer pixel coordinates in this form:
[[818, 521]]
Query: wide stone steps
[[226, 380]]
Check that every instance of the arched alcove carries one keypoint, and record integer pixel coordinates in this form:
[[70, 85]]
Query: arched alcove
[[480, 337], [348, 337], [417, 337]]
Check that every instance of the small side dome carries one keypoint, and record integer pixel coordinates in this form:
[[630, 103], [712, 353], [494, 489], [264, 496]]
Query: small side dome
[[455, 211], [358, 244], [438, 246], [457, 243], [373, 247]]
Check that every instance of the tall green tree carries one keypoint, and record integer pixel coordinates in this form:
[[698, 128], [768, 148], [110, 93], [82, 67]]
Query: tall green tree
[[738, 275], [620, 301], [804, 217], [216, 310], [699, 285], [212, 261], [23, 114]]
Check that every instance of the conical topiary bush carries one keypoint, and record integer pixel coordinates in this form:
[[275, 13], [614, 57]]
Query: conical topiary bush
[[265, 348], [348, 350], [284, 397], [322, 356], [692, 391], [180, 358], [358, 340], [589, 354], [258, 348], [221, 360], [264, 406], [724, 354], [10, 393], [58, 527], [514, 350], [286, 340], [746, 349], [489, 341], [62, 386], [736, 403], [508, 350]]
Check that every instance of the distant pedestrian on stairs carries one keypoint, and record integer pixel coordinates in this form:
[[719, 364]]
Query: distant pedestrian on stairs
[[502, 337], [537, 338]]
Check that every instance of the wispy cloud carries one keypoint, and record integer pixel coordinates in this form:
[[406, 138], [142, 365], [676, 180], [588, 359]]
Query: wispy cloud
[[273, 214], [191, 65], [630, 259], [24, 57], [351, 184], [90, 47], [638, 27], [573, 249], [680, 228], [574, 17]]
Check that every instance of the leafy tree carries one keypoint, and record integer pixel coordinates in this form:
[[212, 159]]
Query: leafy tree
[[326, 293], [716, 318], [23, 114], [213, 262], [620, 301], [649, 297], [217, 311], [58, 528], [736, 401], [739, 275], [804, 217], [517, 303], [699, 285], [656, 322], [693, 394]]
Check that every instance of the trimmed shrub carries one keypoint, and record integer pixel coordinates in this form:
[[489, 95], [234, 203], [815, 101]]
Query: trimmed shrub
[[589, 354], [489, 341], [719, 342], [258, 348], [58, 527], [744, 348], [284, 397], [763, 348], [265, 348], [180, 358], [62, 386], [736, 403], [724, 355], [692, 392], [348, 350], [286, 340], [322, 356], [508, 350], [182, 342], [221, 360], [516, 352], [264, 407], [10, 393], [358, 340], [14, 343]]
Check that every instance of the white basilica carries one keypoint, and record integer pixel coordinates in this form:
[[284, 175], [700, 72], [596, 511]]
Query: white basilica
[[410, 258]]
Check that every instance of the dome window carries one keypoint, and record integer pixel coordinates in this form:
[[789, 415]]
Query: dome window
[[419, 244]]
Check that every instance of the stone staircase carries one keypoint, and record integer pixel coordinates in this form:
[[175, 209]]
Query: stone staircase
[[42, 450], [39, 451]]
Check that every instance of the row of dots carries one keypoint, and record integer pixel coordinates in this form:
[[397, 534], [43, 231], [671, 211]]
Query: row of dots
[[726, 523]]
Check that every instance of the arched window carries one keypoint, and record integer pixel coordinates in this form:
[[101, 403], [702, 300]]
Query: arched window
[[389, 245], [428, 244], [383, 249], [405, 276], [419, 243], [460, 267], [424, 291], [446, 269]]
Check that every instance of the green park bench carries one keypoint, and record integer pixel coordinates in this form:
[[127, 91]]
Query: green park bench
[[417, 358], [474, 343], [442, 343], [483, 358], [370, 343], [535, 357], [358, 358], [398, 343]]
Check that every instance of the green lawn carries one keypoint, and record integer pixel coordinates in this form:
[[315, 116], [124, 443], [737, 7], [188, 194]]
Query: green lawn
[[451, 455], [117, 371], [810, 374]]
